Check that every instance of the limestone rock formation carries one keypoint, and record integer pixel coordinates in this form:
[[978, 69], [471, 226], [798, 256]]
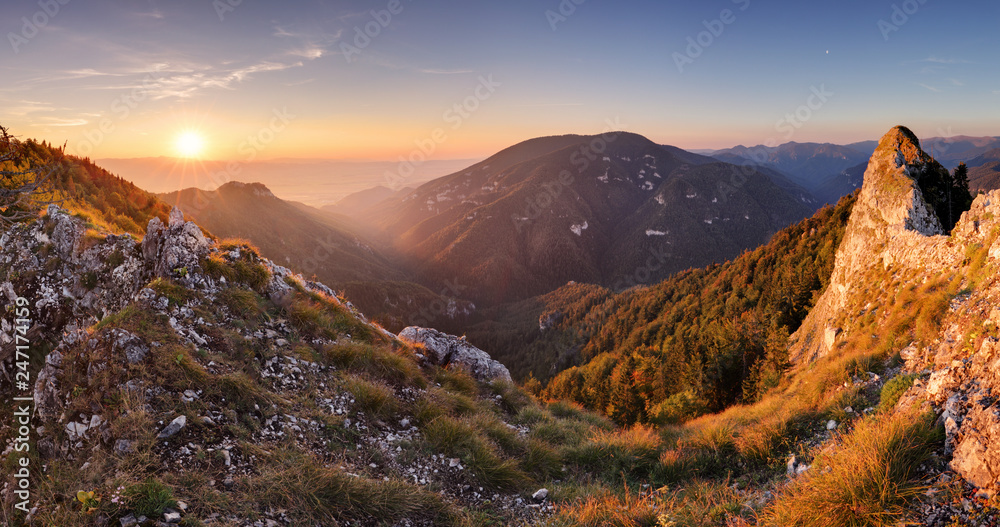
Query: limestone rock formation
[[892, 233], [890, 224], [447, 349], [174, 248]]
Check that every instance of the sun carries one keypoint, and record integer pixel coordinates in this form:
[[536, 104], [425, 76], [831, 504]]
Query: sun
[[190, 144]]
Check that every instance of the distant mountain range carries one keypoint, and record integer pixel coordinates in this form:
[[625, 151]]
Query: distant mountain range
[[831, 171], [817, 167], [984, 171]]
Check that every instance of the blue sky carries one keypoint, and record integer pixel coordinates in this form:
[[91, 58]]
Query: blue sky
[[149, 71]]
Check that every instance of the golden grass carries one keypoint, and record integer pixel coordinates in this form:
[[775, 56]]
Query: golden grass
[[867, 478]]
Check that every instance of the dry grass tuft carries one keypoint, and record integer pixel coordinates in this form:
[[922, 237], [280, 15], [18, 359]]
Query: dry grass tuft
[[867, 479]]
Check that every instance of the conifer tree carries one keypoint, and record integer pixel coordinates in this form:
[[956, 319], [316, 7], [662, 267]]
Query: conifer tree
[[961, 198]]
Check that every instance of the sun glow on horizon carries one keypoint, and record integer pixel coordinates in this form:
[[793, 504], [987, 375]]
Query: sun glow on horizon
[[190, 144]]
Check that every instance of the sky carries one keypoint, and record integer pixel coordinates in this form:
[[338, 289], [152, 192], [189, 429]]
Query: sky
[[378, 80]]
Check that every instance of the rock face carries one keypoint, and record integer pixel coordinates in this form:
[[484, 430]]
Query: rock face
[[446, 349], [890, 224], [175, 248], [892, 232], [133, 347]]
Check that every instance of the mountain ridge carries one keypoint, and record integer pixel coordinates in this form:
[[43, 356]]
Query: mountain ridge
[[578, 212]]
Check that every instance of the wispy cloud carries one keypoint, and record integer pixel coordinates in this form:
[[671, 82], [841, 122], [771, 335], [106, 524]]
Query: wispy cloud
[[59, 121], [311, 53], [160, 86], [437, 71], [941, 60], [312, 45], [24, 107], [161, 76], [155, 14], [931, 88]]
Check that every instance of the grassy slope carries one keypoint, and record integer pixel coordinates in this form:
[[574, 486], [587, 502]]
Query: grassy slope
[[102, 199]]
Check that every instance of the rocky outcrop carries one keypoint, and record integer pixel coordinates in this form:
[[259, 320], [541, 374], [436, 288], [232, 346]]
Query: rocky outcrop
[[444, 350], [964, 383], [891, 224], [167, 372], [175, 248], [893, 233]]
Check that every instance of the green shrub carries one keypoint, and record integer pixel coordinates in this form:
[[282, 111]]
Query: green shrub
[[678, 408], [149, 498], [241, 302], [458, 438], [376, 361], [632, 454], [174, 293], [894, 389], [372, 398]]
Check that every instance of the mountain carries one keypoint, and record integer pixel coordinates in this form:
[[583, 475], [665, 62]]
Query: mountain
[[181, 381], [616, 210], [831, 188], [984, 171], [990, 156], [807, 164], [105, 200], [985, 177], [829, 171], [716, 332], [358, 202], [865, 147], [950, 151], [320, 245], [896, 359], [904, 288], [284, 232]]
